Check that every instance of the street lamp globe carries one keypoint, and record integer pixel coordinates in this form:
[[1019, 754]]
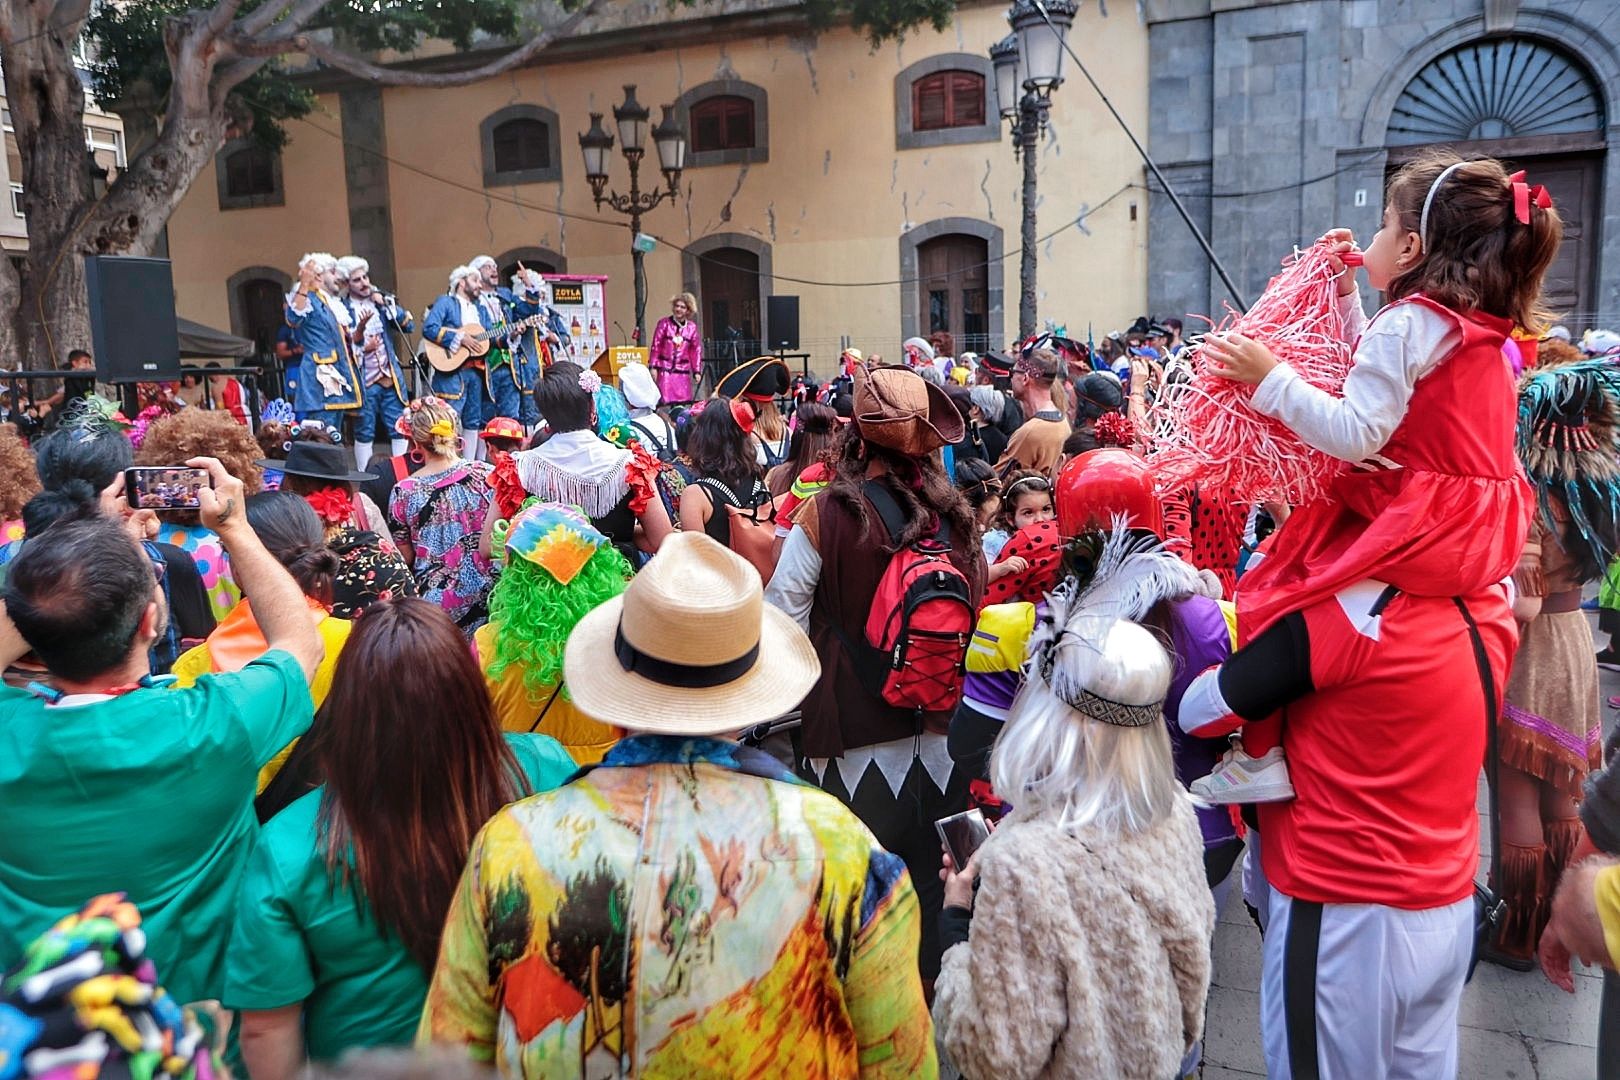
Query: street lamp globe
[[1040, 46], [1004, 59], [595, 145], [632, 119], [670, 138]]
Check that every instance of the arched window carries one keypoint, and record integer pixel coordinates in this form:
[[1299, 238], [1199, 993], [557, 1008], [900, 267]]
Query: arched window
[[947, 99], [249, 175], [723, 123], [1499, 89], [943, 100], [521, 144], [727, 123]]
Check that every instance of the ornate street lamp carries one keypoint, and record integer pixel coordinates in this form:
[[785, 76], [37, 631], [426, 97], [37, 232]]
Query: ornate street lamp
[[594, 145], [1028, 66]]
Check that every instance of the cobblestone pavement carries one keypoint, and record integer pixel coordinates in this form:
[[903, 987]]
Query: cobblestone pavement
[[1514, 1026]]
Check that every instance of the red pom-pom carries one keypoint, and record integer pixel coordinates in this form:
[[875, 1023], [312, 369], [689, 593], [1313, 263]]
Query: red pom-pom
[[1204, 431]]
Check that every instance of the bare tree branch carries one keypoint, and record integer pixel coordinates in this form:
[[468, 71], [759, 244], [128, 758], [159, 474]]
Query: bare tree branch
[[261, 19], [297, 15], [219, 19], [392, 76]]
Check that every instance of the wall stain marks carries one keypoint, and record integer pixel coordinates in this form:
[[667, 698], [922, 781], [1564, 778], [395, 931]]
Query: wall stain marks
[[984, 189], [826, 163], [805, 46], [725, 209]]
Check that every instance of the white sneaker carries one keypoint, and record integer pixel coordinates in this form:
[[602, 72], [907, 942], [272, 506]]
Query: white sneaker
[[1239, 778]]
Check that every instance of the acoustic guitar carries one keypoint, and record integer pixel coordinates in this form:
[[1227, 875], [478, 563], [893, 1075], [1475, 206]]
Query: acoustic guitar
[[475, 341]]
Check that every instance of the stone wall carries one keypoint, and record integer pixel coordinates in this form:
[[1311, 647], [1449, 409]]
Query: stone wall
[[1269, 119]]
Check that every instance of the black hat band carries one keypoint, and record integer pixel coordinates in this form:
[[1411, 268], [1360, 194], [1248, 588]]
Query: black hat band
[[671, 673]]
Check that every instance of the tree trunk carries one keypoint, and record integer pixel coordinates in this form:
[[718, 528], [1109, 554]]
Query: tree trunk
[[46, 312]]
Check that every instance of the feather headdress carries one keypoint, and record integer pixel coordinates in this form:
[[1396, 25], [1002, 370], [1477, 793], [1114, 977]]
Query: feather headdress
[[1568, 440], [1117, 577]]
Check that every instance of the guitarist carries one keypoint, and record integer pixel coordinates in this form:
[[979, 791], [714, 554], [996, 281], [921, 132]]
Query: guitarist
[[377, 317], [505, 388], [463, 388], [327, 380]]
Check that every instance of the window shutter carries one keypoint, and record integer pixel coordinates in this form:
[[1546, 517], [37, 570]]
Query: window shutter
[[967, 99], [931, 107]]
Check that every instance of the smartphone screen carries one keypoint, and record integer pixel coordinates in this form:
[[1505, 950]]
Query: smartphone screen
[[165, 487], [961, 834]]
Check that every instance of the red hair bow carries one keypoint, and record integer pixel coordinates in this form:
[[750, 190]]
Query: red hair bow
[[1524, 195]]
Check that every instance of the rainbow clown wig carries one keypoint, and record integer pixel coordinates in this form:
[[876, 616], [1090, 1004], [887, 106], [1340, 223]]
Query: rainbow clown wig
[[558, 567]]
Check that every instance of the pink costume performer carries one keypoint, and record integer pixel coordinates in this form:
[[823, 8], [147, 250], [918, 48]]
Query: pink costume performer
[[677, 357]]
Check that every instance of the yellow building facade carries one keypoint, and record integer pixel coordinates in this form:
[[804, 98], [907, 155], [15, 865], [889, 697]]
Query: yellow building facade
[[876, 184]]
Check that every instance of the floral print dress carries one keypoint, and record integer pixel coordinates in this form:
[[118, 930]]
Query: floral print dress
[[436, 520]]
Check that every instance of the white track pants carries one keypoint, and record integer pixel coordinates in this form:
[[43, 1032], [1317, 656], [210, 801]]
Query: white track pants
[[1363, 991]]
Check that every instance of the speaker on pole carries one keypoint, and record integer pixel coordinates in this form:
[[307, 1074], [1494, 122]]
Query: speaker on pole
[[782, 322], [133, 333]]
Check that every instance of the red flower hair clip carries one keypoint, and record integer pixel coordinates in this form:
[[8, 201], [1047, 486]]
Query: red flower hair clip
[[332, 505]]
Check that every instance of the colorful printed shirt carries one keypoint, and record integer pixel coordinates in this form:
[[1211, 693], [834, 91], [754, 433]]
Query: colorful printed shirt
[[767, 932], [437, 519], [202, 544]]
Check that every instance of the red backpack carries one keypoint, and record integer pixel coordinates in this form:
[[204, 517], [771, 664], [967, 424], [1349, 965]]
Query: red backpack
[[920, 622]]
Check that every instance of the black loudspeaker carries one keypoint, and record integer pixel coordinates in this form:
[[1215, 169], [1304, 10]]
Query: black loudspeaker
[[782, 322], [133, 333]]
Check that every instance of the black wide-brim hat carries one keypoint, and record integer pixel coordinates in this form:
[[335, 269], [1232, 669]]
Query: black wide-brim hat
[[759, 379], [317, 461]]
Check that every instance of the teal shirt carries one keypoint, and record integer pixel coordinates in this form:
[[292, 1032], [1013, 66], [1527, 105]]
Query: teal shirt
[[149, 793], [299, 939]]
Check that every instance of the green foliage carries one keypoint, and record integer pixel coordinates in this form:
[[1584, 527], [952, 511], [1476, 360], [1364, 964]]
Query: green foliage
[[127, 39], [881, 19], [132, 64]]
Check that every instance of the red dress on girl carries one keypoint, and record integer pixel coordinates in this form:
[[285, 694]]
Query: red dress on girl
[[1442, 510]]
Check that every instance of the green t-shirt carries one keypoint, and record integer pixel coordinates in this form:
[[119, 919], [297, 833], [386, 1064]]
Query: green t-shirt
[[149, 793], [297, 939]]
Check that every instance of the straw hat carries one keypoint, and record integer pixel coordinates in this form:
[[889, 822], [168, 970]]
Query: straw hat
[[895, 407], [691, 648]]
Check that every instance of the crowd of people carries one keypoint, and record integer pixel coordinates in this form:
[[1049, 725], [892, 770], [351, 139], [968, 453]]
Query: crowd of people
[[596, 731]]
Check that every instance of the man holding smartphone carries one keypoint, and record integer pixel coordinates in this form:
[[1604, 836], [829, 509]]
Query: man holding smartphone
[[110, 781]]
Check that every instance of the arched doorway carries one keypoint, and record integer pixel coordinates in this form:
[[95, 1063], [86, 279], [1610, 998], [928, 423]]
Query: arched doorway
[[540, 259], [728, 302], [1538, 108], [262, 302], [954, 289], [256, 296]]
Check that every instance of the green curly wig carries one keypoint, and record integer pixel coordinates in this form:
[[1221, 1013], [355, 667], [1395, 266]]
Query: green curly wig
[[534, 614]]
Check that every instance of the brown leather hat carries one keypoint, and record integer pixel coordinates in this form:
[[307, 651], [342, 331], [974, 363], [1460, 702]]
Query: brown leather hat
[[898, 409]]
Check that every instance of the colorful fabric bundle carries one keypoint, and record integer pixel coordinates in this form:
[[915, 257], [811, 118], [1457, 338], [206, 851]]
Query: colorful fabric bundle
[[556, 538], [1204, 432], [1567, 440], [84, 1004]]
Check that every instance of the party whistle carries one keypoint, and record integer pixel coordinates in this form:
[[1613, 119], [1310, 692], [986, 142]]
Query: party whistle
[[1352, 258]]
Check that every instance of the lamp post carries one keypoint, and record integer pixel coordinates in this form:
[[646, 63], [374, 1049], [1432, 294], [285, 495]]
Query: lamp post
[[670, 139], [1028, 66]]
